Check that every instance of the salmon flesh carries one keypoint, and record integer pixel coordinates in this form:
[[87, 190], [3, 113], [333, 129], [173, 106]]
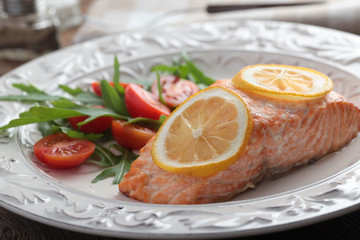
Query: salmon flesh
[[285, 134]]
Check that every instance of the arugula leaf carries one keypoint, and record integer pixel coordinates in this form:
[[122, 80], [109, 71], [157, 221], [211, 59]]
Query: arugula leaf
[[79, 110], [116, 77], [43, 114], [24, 119], [197, 75], [64, 103], [71, 91], [32, 97], [92, 112], [147, 122], [88, 98], [186, 69], [112, 99], [50, 127], [47, 128], [40, 114], [105, 158], [82, 96], [160, 88], [48, 114], [118, 165], [80, 135], [165, 68], [36, 95], [182, 69], [28, 88]]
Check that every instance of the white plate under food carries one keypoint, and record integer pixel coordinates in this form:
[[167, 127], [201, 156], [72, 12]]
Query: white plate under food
[[67, 198]]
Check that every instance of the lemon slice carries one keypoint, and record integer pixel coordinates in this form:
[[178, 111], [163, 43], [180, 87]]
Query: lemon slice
[[283, 81], [204, 135]]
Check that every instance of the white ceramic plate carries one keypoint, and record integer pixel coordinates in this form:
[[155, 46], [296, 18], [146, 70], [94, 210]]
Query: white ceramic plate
[[67, 199]]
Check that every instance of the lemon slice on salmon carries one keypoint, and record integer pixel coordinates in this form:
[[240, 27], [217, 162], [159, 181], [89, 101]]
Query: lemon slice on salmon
[[204, 135], [283, 81]]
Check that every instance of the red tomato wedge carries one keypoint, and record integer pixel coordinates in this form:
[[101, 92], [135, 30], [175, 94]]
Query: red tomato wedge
[[98, 125], [174, 90], [141, 103], [58, 150], [97, 89], [131, 135]]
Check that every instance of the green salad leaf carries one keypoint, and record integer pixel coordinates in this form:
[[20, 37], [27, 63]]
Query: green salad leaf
[[116, 78], [159, 88], [34, 95], [186, 69], [195, 73], [30, 98], [112, 98], [39, 114], [117, 165], [146, 122], [71, 91], [28, 88], [50, 127]]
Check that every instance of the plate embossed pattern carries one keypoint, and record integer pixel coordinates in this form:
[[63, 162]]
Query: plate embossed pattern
[[228, 45]]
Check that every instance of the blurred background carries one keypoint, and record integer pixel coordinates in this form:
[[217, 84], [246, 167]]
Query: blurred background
[[31, 28]]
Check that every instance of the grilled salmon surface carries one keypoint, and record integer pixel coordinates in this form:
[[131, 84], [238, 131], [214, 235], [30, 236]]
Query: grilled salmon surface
[[285, 134]]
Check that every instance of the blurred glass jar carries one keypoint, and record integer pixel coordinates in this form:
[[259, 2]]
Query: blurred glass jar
[[28, 29]]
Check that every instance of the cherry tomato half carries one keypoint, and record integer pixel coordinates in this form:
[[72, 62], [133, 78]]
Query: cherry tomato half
[[98, 125], [97, 89], [174, 90], [131, 135], [141, 103], [58, 150]]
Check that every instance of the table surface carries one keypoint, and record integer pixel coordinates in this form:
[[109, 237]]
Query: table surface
[[13, 226]]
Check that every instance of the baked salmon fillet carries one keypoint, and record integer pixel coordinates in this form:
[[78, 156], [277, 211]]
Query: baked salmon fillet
[[285, 134]]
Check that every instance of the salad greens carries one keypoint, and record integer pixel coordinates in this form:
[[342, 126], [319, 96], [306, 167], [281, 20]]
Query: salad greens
[[159, 88], [50, 113], [116, 165], [112, 98], [186, 69]]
